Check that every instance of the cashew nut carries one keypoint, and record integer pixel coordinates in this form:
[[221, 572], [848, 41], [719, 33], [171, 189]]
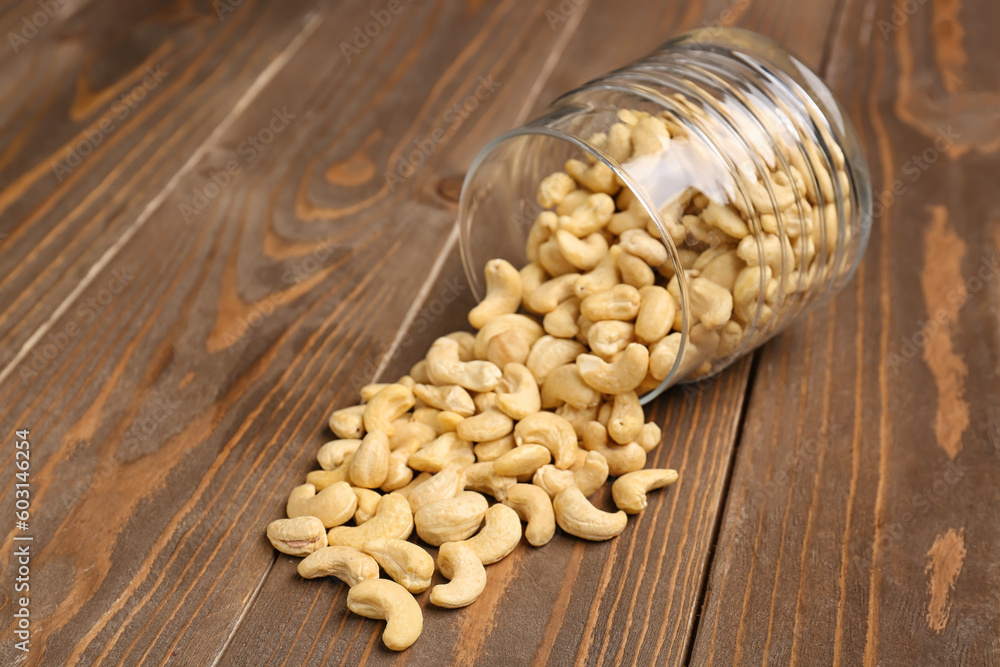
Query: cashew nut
[[551, 293], [525, 327], [445, 484], [548, 353], [333, 505], [445, 367], [484, 478], [578, 417], [561, 322], [552, 259], [597, 177], [534, 506], [409, 566], [386, 406], [392, 520], [619, 376], [639, 243], [621, 458], [297, 537], [370, 464], [626, 418], [635, 271], [447, 449], [324, 478], [583, 254], [398, 472], [554, 188], [333, 453], [414, 483], [410, 435], [346, 563], [503, 293], [517, 395], [565, 385], [649, 436], [629, 490], [657, 310], [450, 519], [384, 599], [448, 421], [348, 423], [493, 449], [609, 337], [367, 504], [523, 460], [602, 277], [552, 432], [489, 425], [577, 516], [621, 302], [452, 398], [462, 566], [499, 536]]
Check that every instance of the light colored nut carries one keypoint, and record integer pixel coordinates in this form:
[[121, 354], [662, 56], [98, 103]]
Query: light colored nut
[[552, 480], [534, 506], [446, 368], [333, 505], [730, 338], [541, 231], [552, 259], [626, 419], [467, 575], [425, 416], [649, 136], [621, 302], [746, 291], [448, 421], [503, 293], [370, 464], [297, 537], [414, 483], [724, 269], [548, 353], [466, 345], [577, 516], [629, 490], [445, 484], [493, 449], [407, 381], [592, 475], [398, 473], [346, 563], [552, 432], [621, 459], [578, 417], [597, 177], [386, 406], [409, 566], [419, 373], [369, 390], [367, 504], [485, 401], [554, 188], [619, 144], [649, 437], [619, 376], [524, 326], [590, 215], [498, 537], [517, 395], [573, 201], [657, 310], [510, 346], [561, 322], [712, 304], [450, 519], [635, 271], [447, 449], [332, 454], [392, 520], [631, 217], [551, 293], [726, 218], [348, 423], [409, 436], [565, 385], [451, 398], [483, 478], [523, 460], [663, 355], [602, 277], [609, 337], [532, 277], [583, 254], [321, 479], [639, 243], [384, 599], [489, 425]]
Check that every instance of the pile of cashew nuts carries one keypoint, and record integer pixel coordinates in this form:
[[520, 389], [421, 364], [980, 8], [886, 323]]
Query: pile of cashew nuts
[[535, 410]]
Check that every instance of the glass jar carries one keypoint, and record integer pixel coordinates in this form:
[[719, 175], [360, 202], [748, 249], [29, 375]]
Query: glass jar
[[727, 150]]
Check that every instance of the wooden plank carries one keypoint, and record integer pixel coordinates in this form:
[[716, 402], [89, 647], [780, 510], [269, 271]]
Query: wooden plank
[[861, 526], [630, 601], [104, 106]]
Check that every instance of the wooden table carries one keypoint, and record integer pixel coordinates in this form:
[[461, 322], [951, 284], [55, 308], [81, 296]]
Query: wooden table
[[201, 258]]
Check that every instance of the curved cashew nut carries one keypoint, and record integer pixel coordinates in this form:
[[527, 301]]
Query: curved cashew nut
[[324, 478], [561, 322], [448, 421], [367, 504], [635, 271], [349, 565], [552, 432], [369, 390], [482, 477], [549, 353], [524, 326], [609, 337], [503, 293], [491, 450], [333, 453], [488, 425], [466, 344], [588, 477], [649, 436], [551, 293], [409, 566], [626, 419], [445, 367], [534, 506], [419, 372], [552, 480], [621, 459], [552, 259], [517, 395], [710, 303], [410, 436], [348, 423], [554, 188], [578, 417], [333, 505], [446, 484], [621, 302], [384, 599], [467, 576], [370, 464], [451, 398], [498, 537], [297, 537], [622, 375], [602, 277], [583, 253], [657, 310], [447, 449], [639, 243], [386, 406], [523, 460], [565, 385], [451, 519], [398, 472], [425, 416], [629, 490], [577, 516], [392, 520], [485, 401], [414, 483]]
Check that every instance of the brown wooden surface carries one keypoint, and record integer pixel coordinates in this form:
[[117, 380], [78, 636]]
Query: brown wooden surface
[[166, 431]]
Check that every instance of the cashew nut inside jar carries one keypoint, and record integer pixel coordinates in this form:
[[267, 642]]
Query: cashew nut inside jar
[[696, 202]]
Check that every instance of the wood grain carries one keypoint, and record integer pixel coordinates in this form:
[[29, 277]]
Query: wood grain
[[861, 524]]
